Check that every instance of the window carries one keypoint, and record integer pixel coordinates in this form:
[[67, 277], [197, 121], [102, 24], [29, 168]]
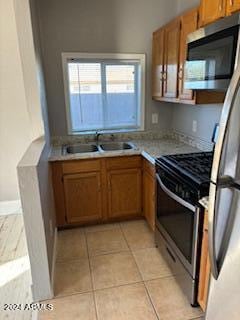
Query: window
[[104, 92]]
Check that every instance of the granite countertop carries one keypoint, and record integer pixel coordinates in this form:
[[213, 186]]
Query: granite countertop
[[150, 149]]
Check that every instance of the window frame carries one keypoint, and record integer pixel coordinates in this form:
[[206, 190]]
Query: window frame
[[109, 57]]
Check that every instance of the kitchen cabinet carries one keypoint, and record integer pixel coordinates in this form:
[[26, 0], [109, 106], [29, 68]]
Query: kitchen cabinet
[[169, 56], [233, 6], [149, 193], [124, 193], [204, 276], [171, 59], [211, 10], [97, 190], [83, 197], [157, 63], [189, 23]]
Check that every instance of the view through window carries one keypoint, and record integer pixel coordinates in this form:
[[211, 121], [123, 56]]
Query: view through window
[[104, 94]]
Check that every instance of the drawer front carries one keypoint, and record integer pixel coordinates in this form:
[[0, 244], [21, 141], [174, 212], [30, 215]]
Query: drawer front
[[81, 166], [123, 162], [149, 167]]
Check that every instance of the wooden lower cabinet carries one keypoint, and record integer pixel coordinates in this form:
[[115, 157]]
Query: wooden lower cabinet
[[124, 193], [83, 197], [204, 276], [149, 193], [97, 190]]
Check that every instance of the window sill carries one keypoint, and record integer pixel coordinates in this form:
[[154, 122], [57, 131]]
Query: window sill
[[82, 133]]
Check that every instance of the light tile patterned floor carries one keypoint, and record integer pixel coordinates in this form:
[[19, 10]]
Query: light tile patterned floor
[[15, 275], [114, 272]]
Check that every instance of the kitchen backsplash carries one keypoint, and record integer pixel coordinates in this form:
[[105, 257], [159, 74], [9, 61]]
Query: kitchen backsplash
[[143, 135]]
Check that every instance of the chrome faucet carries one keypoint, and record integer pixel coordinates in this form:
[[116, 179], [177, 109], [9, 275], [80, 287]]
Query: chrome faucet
[[97, 135]]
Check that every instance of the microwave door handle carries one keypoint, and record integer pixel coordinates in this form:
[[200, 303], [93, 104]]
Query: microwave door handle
[[174, 196]]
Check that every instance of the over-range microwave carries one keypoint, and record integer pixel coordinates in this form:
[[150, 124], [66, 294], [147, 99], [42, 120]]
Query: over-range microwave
[[212, 55]]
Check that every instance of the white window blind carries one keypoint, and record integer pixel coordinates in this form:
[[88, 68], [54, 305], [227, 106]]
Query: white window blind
[[103, 94]]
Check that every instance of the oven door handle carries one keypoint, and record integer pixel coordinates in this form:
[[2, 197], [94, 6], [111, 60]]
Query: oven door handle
[[174, 196]]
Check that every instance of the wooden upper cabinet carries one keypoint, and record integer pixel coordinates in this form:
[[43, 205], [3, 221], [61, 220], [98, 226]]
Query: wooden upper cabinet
[[157, 63], [83, 197], [189, 23], [211, 10], [171, 59], [124, 193], [233, 6]]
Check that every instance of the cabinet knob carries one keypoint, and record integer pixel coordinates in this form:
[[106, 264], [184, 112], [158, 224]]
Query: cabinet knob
[[231, 3]]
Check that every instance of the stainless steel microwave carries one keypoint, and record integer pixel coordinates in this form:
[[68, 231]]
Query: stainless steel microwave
[[212, 55]]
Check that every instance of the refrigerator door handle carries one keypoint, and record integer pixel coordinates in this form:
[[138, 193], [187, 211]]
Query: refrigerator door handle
[[225, 182], [223, 125], [228, 182], [212, 231]]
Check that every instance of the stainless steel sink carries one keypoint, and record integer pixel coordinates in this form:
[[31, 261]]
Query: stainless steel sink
[[80, 148], [116, 146]]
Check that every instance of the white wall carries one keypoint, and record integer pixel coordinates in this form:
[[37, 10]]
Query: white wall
[[15, 127], [187, 4], [124, 26], [205, 115]]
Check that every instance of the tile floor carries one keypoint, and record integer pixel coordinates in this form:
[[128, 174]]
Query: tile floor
[[114, 272]]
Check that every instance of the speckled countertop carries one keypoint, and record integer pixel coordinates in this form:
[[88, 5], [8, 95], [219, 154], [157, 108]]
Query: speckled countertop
[[150, 149]]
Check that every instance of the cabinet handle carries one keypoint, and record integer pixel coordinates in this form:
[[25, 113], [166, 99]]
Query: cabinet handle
[[221, 6], [180, 74], [164, 76], [161, 76], [231, 3]]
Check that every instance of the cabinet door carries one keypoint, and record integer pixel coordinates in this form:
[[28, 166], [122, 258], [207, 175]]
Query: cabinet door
[[149, 199], [171, 59], [189, 23], [157, 63], [124, 193], [233, 6], [204, 269], [83, 197], [212, 10]]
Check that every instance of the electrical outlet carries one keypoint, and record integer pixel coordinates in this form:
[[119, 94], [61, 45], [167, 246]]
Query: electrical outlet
[[194, 126], [154, 118]]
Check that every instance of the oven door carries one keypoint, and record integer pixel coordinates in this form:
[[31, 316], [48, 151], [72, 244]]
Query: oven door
[[178, 222], [211, 60]]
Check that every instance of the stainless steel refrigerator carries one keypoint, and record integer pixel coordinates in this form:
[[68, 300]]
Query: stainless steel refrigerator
[[224, 212]]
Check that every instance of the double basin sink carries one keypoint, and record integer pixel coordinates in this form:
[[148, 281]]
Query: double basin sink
[[103, 147]]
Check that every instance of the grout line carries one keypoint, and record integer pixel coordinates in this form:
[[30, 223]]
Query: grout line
[[91, 275], [69, 295], [150, 300], [119, 286]]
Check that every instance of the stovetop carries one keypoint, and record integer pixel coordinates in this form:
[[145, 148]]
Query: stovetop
[[194, 166]]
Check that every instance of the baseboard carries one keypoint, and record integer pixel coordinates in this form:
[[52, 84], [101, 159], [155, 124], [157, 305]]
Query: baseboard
[[10, 207], [54, 260]]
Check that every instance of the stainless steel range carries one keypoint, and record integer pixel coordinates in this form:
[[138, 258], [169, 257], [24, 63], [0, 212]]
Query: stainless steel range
[[182, 180]]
